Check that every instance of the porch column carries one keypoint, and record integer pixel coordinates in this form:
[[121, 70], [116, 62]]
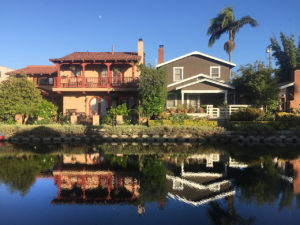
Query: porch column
[[83, 74], [225, 96], [109, 75], [58, 75]]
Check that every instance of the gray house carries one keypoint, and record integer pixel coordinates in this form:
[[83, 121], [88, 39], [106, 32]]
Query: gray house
[[197, 79]]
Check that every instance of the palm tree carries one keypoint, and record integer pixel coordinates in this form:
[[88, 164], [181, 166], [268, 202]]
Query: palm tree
[[226, 23]]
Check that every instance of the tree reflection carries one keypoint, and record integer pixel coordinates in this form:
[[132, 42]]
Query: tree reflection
[[262, 184], [153, 180], [19, 174], [220, 216]]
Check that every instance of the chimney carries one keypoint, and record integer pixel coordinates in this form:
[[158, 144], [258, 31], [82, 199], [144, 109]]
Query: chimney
[[112, 49], [160, 54], [141, 50]]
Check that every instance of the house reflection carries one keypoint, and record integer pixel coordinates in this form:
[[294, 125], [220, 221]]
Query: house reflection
[[202, 178], [85, 179]]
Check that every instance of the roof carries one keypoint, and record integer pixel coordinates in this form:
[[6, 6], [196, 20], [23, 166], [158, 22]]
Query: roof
[[35, 70], [99, 56], [200, 54], [284, 85], [200, 78]]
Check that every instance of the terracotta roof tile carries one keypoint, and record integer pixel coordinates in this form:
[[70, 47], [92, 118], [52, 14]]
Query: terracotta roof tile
[[35, 70], [99, 56]]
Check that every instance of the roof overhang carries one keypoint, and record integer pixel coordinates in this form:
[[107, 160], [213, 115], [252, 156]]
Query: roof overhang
[[200, 54], [286, 85], [205, 78]]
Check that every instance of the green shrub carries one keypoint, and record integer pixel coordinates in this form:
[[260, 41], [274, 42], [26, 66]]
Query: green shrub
[[188, 122], [260, 128], [46, 110], [248, 114]]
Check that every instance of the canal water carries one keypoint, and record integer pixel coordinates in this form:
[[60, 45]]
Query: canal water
[[149, 184]]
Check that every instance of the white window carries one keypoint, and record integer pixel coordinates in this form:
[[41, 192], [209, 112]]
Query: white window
[[104, 72], [215, 71], [171, 100], [177, 73]]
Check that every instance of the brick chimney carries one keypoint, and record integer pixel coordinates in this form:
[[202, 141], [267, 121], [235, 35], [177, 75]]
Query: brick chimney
[[160, 54], [141, 50], [296, 102]]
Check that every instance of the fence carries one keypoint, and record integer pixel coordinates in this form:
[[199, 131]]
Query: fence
[[223, 113]]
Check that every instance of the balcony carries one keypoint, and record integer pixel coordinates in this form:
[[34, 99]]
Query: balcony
[[94, 82]]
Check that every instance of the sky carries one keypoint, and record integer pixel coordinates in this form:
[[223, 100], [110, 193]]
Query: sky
[[33, 31]]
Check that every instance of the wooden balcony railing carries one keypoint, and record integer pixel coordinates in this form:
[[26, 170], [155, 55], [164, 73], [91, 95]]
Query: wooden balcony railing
[[94, 82]]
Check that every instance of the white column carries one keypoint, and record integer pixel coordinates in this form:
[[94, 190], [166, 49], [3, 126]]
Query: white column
[[225, 94]]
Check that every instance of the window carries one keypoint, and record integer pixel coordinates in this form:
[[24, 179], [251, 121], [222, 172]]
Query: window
[[177, 73], [215, 71], [171, 100]]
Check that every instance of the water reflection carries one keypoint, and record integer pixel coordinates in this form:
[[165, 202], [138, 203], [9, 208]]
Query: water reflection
[[218, 180]]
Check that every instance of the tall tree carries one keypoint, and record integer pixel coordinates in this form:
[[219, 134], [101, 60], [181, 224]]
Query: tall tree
[[287, 56], [257, 85], [152, 89], [225, 23]]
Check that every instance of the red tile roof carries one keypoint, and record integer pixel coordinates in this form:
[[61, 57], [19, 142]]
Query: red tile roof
[[99, 56], [35, 70]]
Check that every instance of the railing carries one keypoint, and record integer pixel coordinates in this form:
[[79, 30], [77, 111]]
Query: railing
[[95, 82]]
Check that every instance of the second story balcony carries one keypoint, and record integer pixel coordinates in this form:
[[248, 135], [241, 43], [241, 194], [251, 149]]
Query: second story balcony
[[95, 82]]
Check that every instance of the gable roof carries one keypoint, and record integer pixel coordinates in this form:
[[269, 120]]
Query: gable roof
[[203, 79], [34, 70], [99, 56], [197, 53]]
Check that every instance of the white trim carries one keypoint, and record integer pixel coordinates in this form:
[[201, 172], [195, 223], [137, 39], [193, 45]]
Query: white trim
[[208, 80], [193, 77], [286, 85], [204, 91], [174, 68], [196, 53], [212, 67]]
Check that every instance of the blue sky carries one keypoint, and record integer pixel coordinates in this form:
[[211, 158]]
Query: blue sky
[[33, 31]]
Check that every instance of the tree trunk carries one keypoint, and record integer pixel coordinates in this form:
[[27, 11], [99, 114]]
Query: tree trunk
[[230, 56]]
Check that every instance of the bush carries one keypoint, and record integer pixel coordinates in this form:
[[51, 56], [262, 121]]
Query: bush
[[261, 127], [188, 122], [248, 114], [46, 110]]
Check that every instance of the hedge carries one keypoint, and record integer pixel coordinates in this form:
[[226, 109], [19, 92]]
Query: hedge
[[278, 125], [191, 123], [42, 130]]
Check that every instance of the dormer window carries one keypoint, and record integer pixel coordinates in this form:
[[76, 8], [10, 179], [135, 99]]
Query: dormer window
[[215, 72], [177, 73]]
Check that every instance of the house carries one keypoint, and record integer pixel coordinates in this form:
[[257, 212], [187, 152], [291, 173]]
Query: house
[[290, 93], [197, 79], [87, 83], [3, 71]]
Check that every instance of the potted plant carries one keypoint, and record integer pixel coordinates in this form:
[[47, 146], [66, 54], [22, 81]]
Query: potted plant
[[201, 110], [186, 110], [171, 110], [191, 109], [179, 108]]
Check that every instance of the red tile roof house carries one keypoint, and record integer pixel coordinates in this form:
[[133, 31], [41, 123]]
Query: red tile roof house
[[89, 82]]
